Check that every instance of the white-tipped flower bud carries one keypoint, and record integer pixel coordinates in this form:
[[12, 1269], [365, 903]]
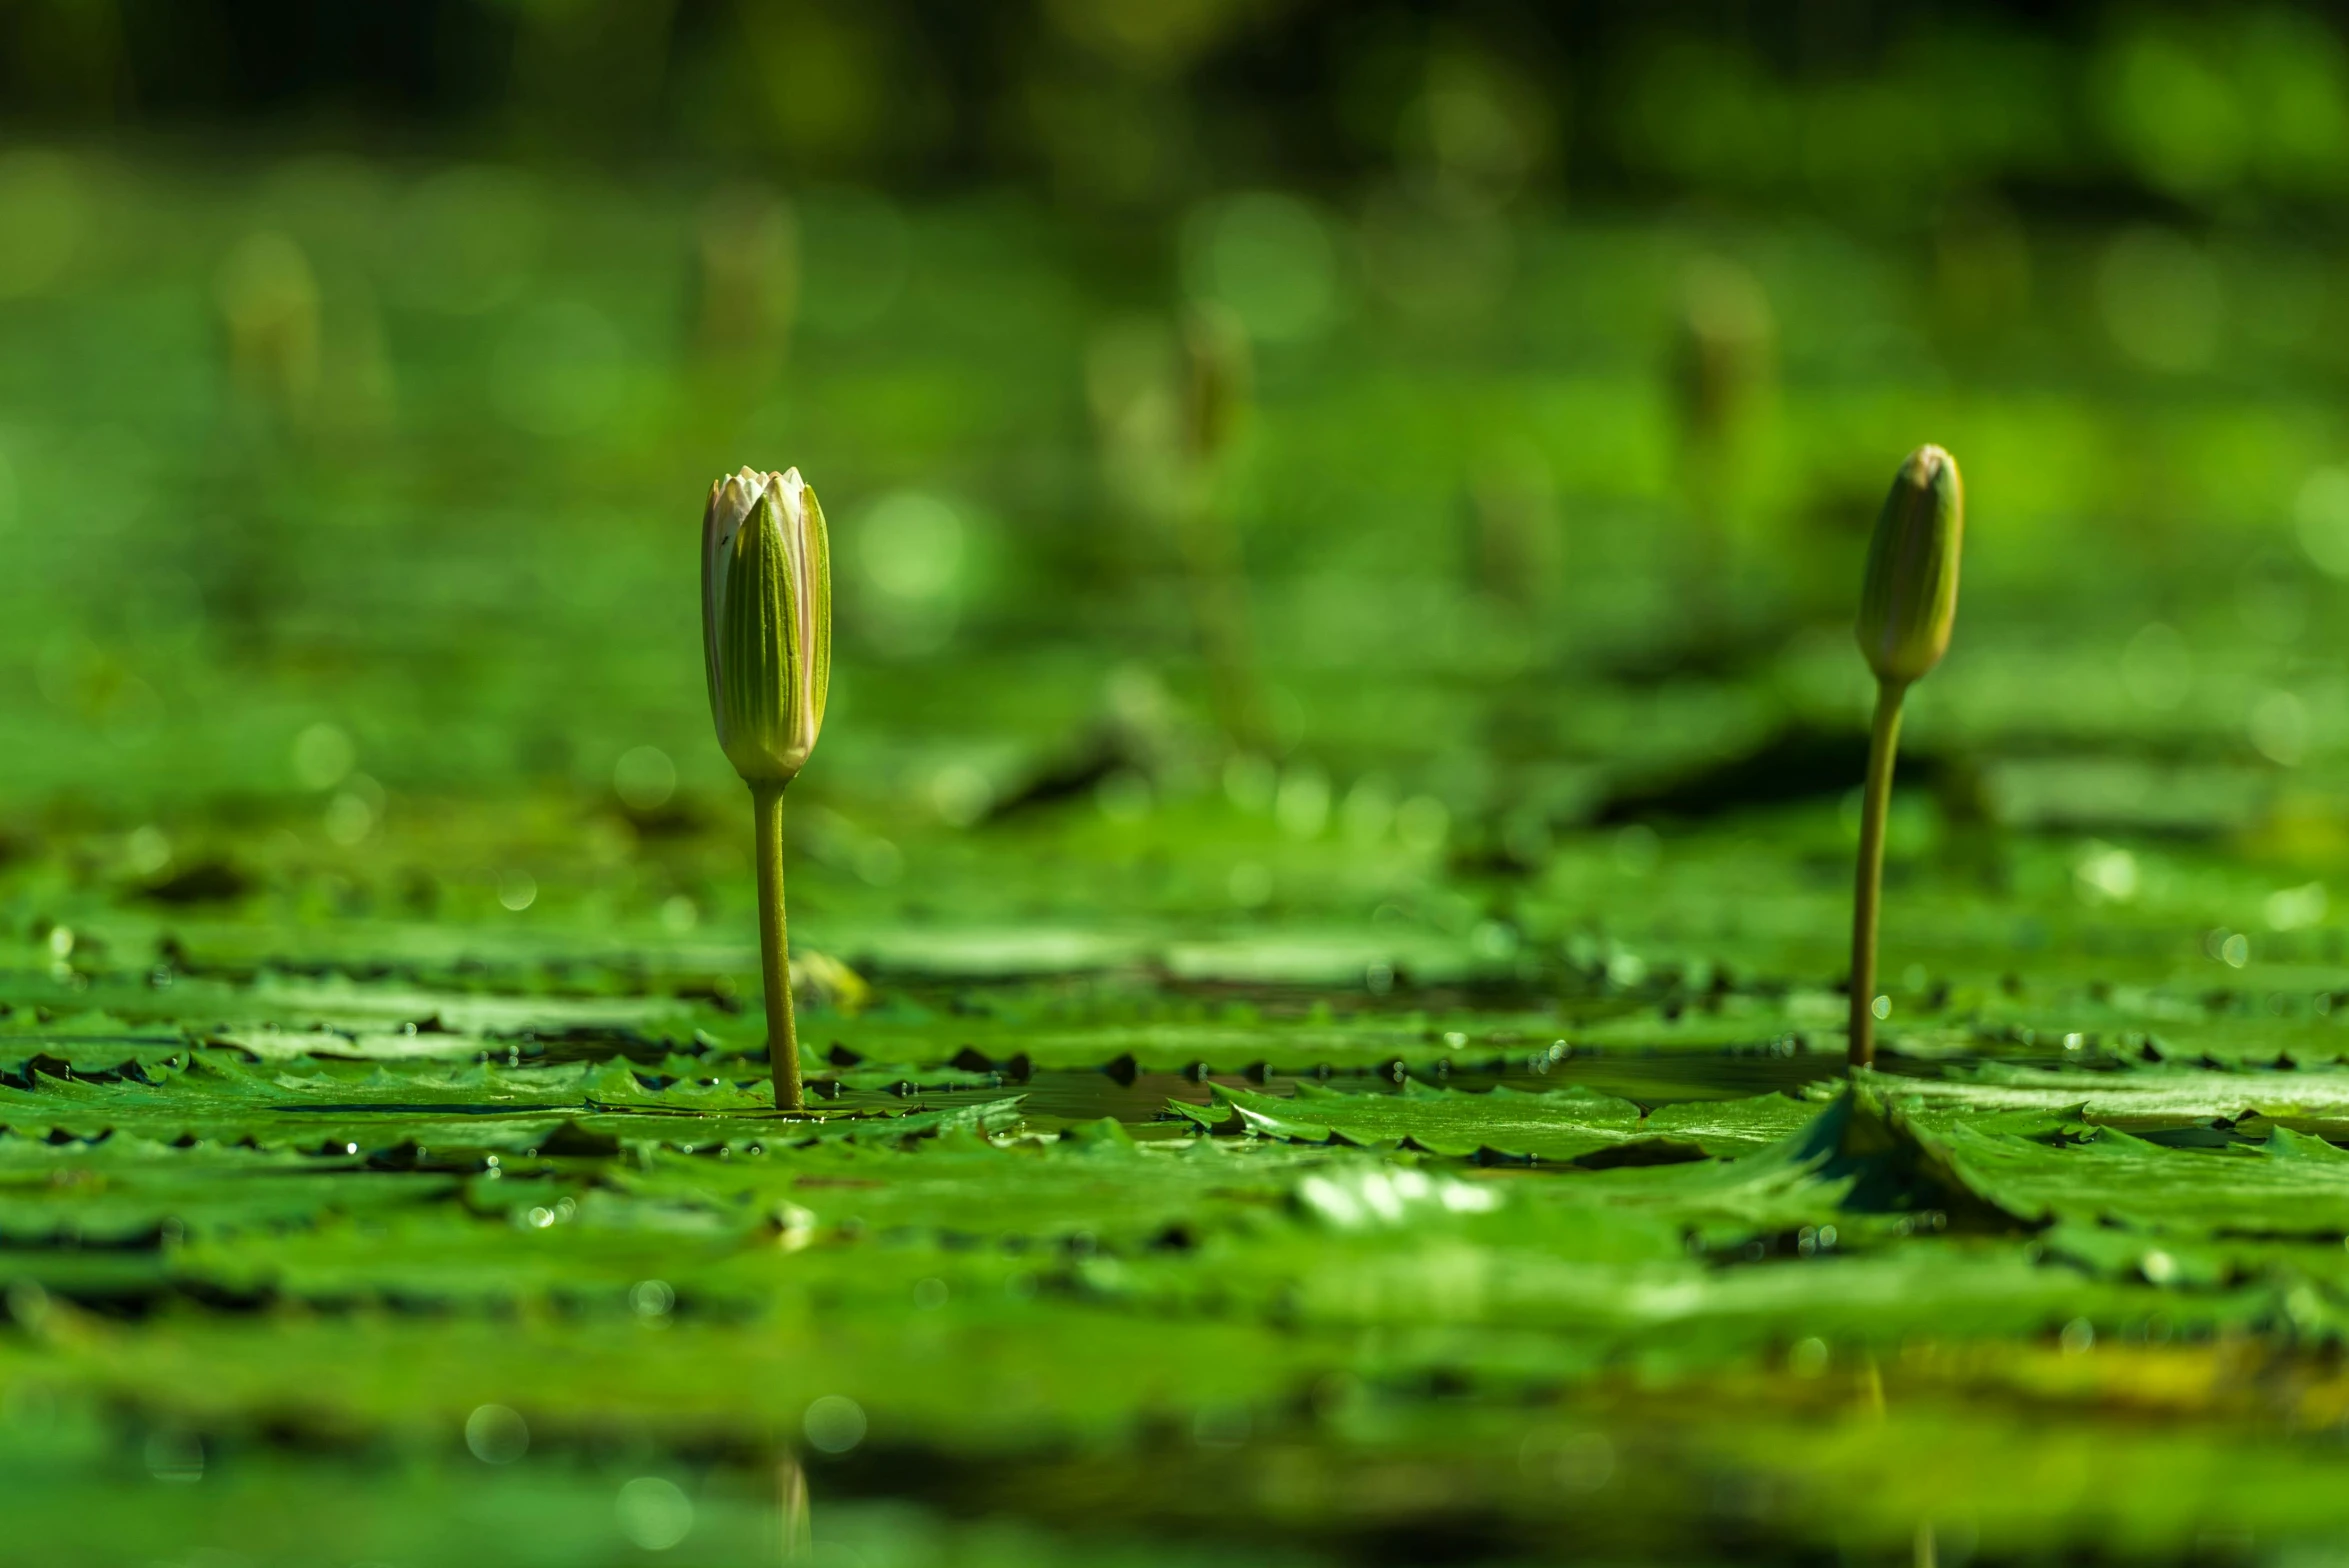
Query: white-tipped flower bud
[[766, 617], [1909, 602]]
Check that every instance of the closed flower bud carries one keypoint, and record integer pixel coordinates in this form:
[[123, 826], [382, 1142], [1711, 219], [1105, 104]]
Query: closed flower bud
[[1910, 600], [1219, 369], [766, 617], [1726, 346]]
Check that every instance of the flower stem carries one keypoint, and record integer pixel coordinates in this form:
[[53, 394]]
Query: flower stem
[[1883, 741], [775, 945], [791, 1510]]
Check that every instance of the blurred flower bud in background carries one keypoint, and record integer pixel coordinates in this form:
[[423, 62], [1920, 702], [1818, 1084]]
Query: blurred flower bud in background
[[1516, 548], [747, 281], [1132, 390], [1723, 363], [1219, 374], [269, 314]]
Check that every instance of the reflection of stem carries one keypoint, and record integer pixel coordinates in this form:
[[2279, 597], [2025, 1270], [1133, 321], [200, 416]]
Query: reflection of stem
[[1219, 604], [774, 945], [1883, 740], [791, 1511], [1928, 1554]]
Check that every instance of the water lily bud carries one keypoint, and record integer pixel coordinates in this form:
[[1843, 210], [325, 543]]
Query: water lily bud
[[268, 296], [1910, 601], [766, 617], [1722, 359], [749, 278], [1219, 369]]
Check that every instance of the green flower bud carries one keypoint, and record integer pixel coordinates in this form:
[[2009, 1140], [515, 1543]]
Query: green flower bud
[[1910, 601], [1722, 361], [1219, 368], [766, 619]]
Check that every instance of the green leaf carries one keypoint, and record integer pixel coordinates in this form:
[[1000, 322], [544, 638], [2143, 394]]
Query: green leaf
[[1560, 1126]]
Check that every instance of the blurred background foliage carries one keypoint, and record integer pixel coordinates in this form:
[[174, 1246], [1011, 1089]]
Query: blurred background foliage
[[1879, 110], [1456, 422]]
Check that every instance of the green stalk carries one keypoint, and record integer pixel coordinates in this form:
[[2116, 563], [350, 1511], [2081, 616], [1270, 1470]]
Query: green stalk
[[775, 945], [1883, 741], [791, 1510]]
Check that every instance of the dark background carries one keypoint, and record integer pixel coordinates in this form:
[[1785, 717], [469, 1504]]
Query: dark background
[[1864, 107]]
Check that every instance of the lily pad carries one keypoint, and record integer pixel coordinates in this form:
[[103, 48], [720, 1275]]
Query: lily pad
[[1565, 1125]]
